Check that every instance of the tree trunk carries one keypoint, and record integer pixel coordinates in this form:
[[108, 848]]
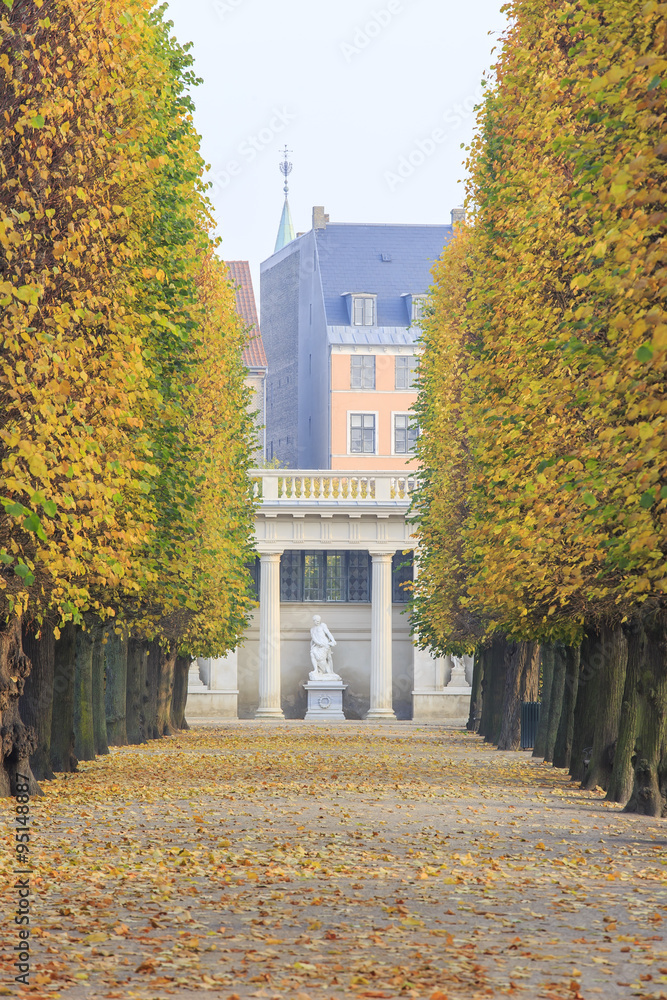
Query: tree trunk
[[649, 793], [547, 661], [62, 721], [563, 747], [180, 693], [476, 693], [84, 737], [36, 702], [530, 678], [150, 694], [165, 690], [621, 781], [137, 651], [493, 690], [114, 699], [17, 741], [610, 685], [555, 701], [99, 686], [518, 657], [592, 659]]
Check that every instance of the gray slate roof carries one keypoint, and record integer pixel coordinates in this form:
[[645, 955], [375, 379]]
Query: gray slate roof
[[350, 258], [400, 335]]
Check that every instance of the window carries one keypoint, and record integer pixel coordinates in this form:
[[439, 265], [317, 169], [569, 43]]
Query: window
[[254, 571], [406, 371], [325, 576], [401, 566], [363, 310], [313, 576], [335, 577], [362, 433], [418, 304], [362, 371], [406, 433], [336, 589]]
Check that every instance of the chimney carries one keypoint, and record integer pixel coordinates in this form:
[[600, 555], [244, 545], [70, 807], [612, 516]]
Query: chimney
[[458, 215], [319, 218]]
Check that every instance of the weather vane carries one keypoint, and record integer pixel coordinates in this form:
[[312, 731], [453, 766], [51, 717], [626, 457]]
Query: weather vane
[[286, 168]]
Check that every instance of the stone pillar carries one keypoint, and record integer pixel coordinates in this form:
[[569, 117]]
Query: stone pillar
[[269, 637], [381, 639]]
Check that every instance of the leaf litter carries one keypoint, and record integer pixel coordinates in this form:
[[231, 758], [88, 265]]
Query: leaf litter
[[254, 860]]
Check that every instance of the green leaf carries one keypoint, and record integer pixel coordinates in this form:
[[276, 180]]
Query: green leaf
[[48, 506], [6, 558], [644, 353], [647, 499], [15, 509], [590, 500], [546, 463], [37, 121], [33, 523], [23, 571]]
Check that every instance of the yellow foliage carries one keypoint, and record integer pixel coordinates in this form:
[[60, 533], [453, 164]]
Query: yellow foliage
[[559, 332]]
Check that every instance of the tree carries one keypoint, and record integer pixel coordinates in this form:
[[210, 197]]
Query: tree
[[123, 433], [546, 362]]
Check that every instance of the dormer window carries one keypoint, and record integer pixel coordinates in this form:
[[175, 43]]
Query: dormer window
[[418, 305], [363, 310]]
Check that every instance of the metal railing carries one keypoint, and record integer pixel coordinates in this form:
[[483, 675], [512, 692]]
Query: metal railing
[[315, 486]]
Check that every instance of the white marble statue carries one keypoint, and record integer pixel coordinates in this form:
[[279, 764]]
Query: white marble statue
[[321, 644], [458, 677]]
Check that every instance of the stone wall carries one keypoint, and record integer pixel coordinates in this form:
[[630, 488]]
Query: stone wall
[[255, 382], [279, 298]]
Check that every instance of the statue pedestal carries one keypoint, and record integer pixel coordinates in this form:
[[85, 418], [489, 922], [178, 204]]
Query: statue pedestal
[[325, 701]]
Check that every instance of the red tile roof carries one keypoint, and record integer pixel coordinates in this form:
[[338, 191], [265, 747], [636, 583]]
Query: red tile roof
[[254, 355]]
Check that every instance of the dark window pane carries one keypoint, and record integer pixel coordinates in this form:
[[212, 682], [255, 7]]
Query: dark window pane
[[253, 571], [401, 573], [290, 576], [359, 577]]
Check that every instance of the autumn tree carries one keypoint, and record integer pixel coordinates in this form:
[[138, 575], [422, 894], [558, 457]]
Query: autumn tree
[[562, 402], [107, 443]]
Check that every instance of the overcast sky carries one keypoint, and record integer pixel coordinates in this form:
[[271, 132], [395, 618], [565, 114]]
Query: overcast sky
[[373, 99]]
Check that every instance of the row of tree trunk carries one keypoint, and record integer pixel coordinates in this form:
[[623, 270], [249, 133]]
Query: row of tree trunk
[[603, 713], [91, 689]]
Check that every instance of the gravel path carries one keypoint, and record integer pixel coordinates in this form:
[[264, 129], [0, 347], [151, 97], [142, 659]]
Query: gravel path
[[304, 861]]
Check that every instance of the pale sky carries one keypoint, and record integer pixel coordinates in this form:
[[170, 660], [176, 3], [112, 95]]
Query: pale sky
[[373, 100]]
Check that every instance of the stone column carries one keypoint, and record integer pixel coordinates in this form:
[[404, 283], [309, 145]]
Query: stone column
[[381, 639], [269, 637]]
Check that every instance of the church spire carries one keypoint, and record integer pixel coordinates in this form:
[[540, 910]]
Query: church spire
[[286, 228]]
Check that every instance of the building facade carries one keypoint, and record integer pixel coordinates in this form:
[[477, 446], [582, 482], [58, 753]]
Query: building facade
[[341, 308], [337, 545], [254, 355]]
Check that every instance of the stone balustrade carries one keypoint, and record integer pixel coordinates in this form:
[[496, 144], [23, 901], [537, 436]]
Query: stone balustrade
[[338, 488]]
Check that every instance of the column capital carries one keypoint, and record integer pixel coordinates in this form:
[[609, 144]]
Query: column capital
[[269, 555], [382, 555]]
